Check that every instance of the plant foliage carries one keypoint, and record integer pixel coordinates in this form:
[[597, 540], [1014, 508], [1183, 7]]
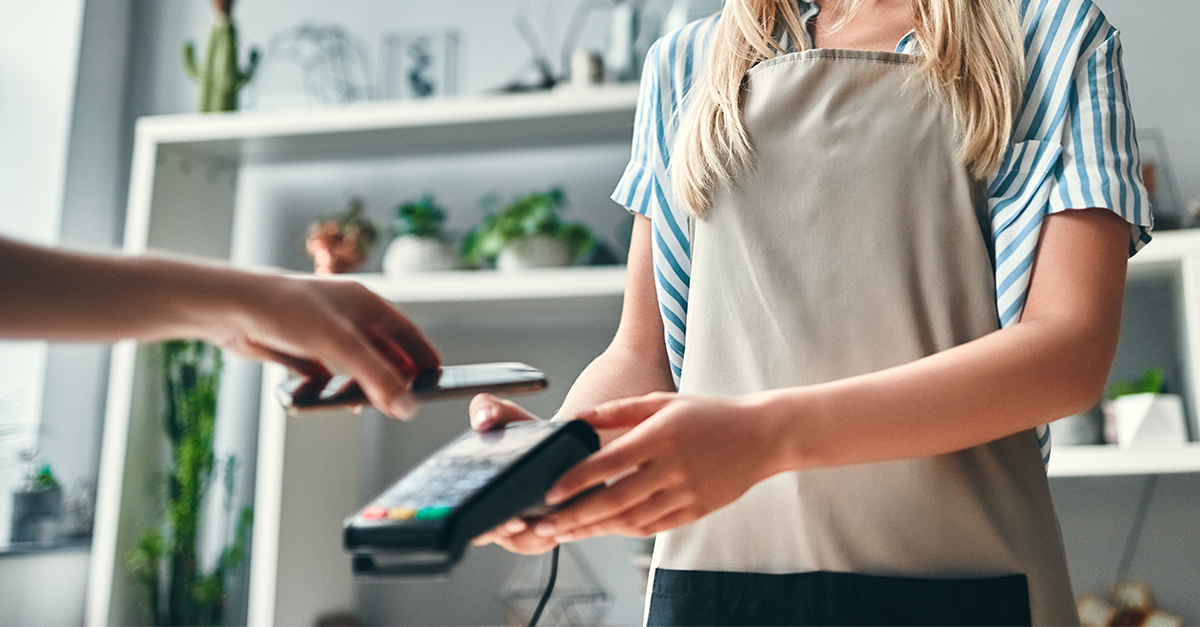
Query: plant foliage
[[1152, 381], [186, 596], [532, 215], [421, 218]]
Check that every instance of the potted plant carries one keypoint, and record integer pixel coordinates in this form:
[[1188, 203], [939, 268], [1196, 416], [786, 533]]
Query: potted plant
[[1137, 412], [219, 77], [341, 243], [528, 234], [166, 561], [418, 245], [38, 507]]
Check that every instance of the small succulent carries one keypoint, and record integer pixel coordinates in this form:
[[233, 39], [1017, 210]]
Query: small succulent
[[343, 242], [44, 479], [421, 218]]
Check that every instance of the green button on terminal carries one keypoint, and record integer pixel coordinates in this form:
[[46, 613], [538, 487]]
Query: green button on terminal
[[433, 513]]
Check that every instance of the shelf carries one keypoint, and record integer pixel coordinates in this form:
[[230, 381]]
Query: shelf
[[489, 298], [492, 285], [1096, 461], [403, 128]]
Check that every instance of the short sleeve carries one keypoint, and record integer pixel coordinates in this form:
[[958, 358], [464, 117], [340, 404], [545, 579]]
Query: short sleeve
[[1100, 165], [640, 189]]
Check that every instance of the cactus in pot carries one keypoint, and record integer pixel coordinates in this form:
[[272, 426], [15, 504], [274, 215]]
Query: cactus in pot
[[220, 78], [418, 245]]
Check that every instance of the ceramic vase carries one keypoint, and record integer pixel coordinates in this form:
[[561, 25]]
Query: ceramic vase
[[409, 254], [539, 251]]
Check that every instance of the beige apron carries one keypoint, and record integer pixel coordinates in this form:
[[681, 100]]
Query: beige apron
[[855, 244]]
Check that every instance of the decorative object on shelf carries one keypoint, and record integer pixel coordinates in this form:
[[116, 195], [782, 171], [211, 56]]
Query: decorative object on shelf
[[220, 78], [546, 78], [1137, 413], [587, 68], [579, 598], [1131, 605], [192, 372], [341, 243], [420, 64], [1165, 199], [1079, 429], [622, 58], [313, 64], [627, 41], [418, 245], [528, 234], [37, 514]]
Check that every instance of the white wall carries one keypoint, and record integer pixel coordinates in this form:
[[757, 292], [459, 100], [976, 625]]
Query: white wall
[[1162, 62], [39, 44]]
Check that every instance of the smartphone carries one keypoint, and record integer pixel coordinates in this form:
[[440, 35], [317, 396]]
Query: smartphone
[[298, 395]]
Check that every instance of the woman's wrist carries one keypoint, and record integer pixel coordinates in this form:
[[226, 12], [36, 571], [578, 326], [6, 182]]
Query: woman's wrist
[[786, 422]]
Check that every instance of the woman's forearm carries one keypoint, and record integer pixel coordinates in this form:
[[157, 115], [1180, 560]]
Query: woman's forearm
[[1003, 383], [619, 372], [59, 295], [1053, 363]]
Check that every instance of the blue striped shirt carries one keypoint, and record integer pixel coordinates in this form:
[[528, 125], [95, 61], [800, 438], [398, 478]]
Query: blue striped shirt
[[1073, 146]]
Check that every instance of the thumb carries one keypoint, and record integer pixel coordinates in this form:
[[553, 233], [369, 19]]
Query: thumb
[[489, 411], [627, 412]]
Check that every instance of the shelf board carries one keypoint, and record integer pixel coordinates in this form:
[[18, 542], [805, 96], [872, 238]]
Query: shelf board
[[493, 285], [1096, 461], [400, 128]]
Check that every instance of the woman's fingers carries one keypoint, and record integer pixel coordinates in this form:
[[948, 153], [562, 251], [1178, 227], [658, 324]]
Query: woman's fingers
[[639, 498], [403, 332], [489, 411], [515, 535], [619, 457], [627, 412], [380, 379]]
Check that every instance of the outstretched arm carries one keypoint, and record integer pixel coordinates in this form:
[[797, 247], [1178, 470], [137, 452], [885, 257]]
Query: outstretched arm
[[687, 456], [308, 325]]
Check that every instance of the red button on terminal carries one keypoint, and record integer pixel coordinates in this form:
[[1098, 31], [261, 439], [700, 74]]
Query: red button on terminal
[[375, 513]]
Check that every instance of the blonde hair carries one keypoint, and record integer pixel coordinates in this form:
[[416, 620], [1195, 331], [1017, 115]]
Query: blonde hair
[[971, 54]]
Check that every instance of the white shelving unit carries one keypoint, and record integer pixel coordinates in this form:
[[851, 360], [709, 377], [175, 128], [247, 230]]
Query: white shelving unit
[[1103, 461], [182, 163], [166, 188]]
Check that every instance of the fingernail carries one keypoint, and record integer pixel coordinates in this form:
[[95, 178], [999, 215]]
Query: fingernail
[[555, 497], [403, 408], [545, 529], [586, 415], [485, 417], [565, 538], [516, 525]]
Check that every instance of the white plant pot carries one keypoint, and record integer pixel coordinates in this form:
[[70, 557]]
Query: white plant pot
[[410, 254], [1146, 420], [541, 251]]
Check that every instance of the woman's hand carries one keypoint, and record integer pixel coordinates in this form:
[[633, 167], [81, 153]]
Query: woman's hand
[[492, 412], [685, 456], [313, 326]]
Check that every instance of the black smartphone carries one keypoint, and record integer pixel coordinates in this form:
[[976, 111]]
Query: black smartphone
[[298, 395]]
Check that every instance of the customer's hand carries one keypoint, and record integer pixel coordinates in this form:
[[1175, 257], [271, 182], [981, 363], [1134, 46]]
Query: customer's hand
[[314, 326]]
